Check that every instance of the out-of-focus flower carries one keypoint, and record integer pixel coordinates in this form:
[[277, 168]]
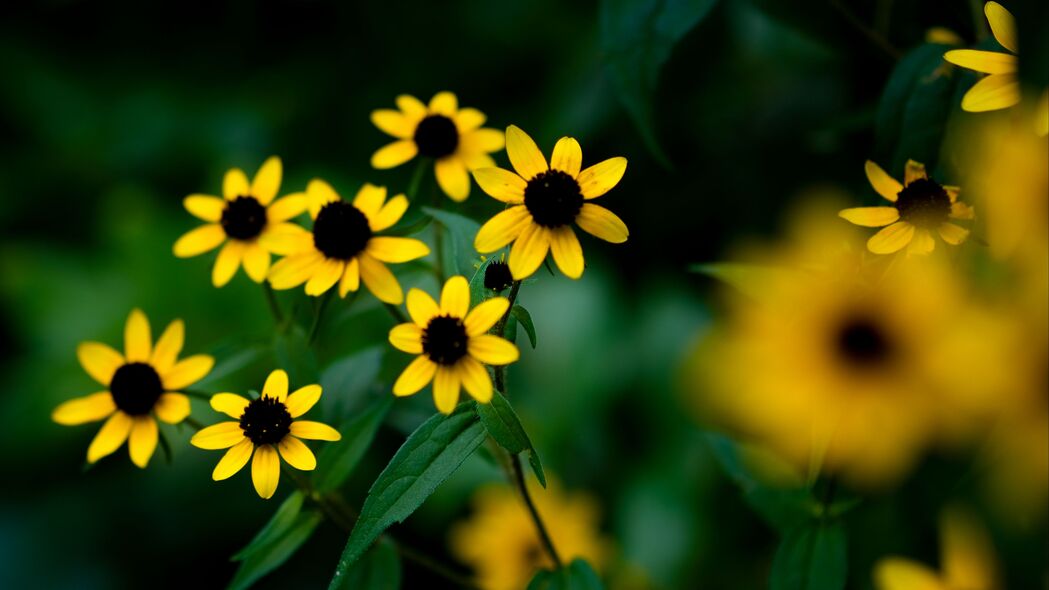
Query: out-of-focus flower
[[141, 387], [501, 543], [264, 427], [544, 202], [943, 36], [1001, 88], [343, 247], [920, 206], [243, 220], [967, 560], [452, 136]]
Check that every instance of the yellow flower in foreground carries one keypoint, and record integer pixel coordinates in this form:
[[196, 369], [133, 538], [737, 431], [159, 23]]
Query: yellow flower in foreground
[[920, 206], [544, 202], [265, 426], [343, 247], [141, 388], [244, 220], [967, 560], [452, 343], [442, 131], [1001, 88], [501, 544]]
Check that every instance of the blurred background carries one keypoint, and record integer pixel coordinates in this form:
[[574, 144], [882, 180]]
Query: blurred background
[[111, 113]]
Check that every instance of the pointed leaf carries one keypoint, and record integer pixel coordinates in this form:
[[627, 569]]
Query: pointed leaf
[[502, 423]]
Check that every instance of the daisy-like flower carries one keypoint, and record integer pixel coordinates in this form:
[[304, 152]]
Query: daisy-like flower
[[545, 201], [244, 220], [343, 247], [920, 206], [452, 344], [265, 427], [453, 137], [1001, 88], [141, 387]]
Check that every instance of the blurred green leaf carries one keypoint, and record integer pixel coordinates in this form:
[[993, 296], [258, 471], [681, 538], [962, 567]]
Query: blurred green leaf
[[336, 462], [294, 355], [459, 252], [273, 554], [378, 569], [502, 423], [811, 557], [577, 575], [278, 524], [478, 293], [510, 331], [432, 453], [525, 319]]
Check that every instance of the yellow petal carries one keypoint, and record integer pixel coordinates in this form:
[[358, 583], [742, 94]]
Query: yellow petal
[[602, 223], [265, 471], [90, 408], [475, 379], [870, 216], [295, 269], [421, 307], [953, 234], [468, 119], [138, 343], [601, 177], [444, 103], [415, 376], [227, 262], [200, 240], [407, 338], [903, 574], [302, 399], [229, 404], [967, 556], [998, 91], [481, 141], [886, 186], [287, 207], [1003, 25], [233, 461], [567, 253], [455, 297], [393, 123], [389, 214], [172, 407], [453, 178], [285, 239], [142, 440], [99, 361], [391, 249], [568, 157], [952, 192], [369, 199], [492, 350], [318, 194], [913, 171], [891, 238], [235, 184], [987, 62], [485, 315], [325, 276], [922, 242], [276, 386], [314, 431], [501, 185], [379, 280], [445, 389], [502, 229], [267, 181], [411, 106], [109, 438], [476, 160], [529, 251], [205, 207], [351, 278], [256, 262], [187, 372], [960, 210], [394, 154], [524, 154], [297, 454], [218, 436], [165, 353]]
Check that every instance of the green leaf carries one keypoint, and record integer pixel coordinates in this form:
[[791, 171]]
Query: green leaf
[[577, 575], [752, 280], [502, 423], [294, 355], [269, 557], [459, 251], [336, 462], [378, 569], [811, 557], [510, 331], [409, 229], [432, 453], [478, 293], [637, 37], [277, 526], [525, 319]]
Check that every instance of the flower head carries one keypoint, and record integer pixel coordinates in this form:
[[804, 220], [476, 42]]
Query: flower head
[[141, 387], [1001, 88], [265, 427], [243, 220], [453, 137], [452, 343], [343, 247], [920, 206], [544, 203]]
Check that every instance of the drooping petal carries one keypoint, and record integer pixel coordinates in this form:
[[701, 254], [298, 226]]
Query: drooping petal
[[187, 372], [395, 249], [379, 280], [444, 103], [172, 407], [485, 315], [475, 379], [492, 350], [165, 353], [351, 278], [886, 186], [953, 234], [421, 307], [476, 160], [389, 214], [453, 178], [267, 181], [891, 238], [870, 216], [276, 386], [318, 194], [109, 438], [998, 91], [230, 404], [567, 253], [1003, 25], [415, 376], [922, 242], [235, 184], [602, 223], [407, 338], [482, 141], [502, 229], [218, 436], [138, 342], [455, 297], [256, 262], [233, 461], [524, 154], [302, 399], [369, 199], [529, 251], [287, 207], [314, 431], [913, 171], [205, 207], [295, 269], [325, 276], [501, 185], [265, 471], [446, 389], [568, 157], [90, 408], [987, 62], [227, 262], [960, 210], [99, 360], [297, 454], [143, 440], [601, 177], [394, 154], [393, 123], [199, 240]]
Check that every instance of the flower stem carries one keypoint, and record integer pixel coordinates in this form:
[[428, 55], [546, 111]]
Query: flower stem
[[544, 536], [396, 313], [500, 330], [417, 178], [271, 299], [318, 312]]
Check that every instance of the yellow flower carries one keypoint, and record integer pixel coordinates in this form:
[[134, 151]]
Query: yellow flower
[[265, 426], [244, 220], [452, 344], [501, 544], [544, 202], [1001, 88], [344, 247], [141, 388], [920, 205], [967, 560], [453, 137]]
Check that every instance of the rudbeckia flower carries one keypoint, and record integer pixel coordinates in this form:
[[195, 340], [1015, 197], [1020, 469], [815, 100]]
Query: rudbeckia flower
[[243, 220], [1001, 88], [966, 556], [265, 427], [453, 137], [452, 343], [920, 206], [545, 201], [343, 247], [141, 387]]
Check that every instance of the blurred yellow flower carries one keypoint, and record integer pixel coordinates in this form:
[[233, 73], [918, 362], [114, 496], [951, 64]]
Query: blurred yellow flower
[[265, 426], [500, 541], [452, 343], [343, 247], [544, 202], [1001, 88], [966, 556], [452, 136], [920, 206], [141, 387], [243, 220]]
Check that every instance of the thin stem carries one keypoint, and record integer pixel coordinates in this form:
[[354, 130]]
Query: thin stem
[[396, 313], [544, 536], [871, 35], [417, 178], [197, 394], [500, 330], [193, 423], [271, 299], [318, 312], [438, 246]]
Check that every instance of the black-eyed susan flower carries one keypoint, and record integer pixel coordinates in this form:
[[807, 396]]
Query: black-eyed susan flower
[[452, 136], [920, 206], [243, 220], [967, 560], [141, 387], [452, 343], [1001, 88], [497, 276], [265, 427], [544, 203], [344, 247]]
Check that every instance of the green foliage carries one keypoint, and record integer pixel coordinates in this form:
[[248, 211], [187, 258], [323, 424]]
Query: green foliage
[[502, 423], [811, 557], [458, 253], [378, 569], [277, 549], [478, 292], [577, 575], [335, 463], [525, 320], [294, 354], [278, 525]]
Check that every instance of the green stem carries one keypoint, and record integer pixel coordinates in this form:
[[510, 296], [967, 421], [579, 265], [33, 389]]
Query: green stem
[[500, 330], [417, 178], [197, 394], [544, 536], [318, 312], [396, 313], [271, 299]]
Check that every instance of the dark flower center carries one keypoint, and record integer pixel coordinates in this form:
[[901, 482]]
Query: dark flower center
[[497, 276], [444, 340], [265, 421], [553, 198], [243, 218], [135, 388], [924, 203], [341, 231], [436, 136], [862, 342]]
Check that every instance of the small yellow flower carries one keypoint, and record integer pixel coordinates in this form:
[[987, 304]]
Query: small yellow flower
[[452, 344], [544, 202], [920, 205], [141, 388], [244, 220], [265, 426], [967, 560], [1001, 88], [343, 247], [453, 137]]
